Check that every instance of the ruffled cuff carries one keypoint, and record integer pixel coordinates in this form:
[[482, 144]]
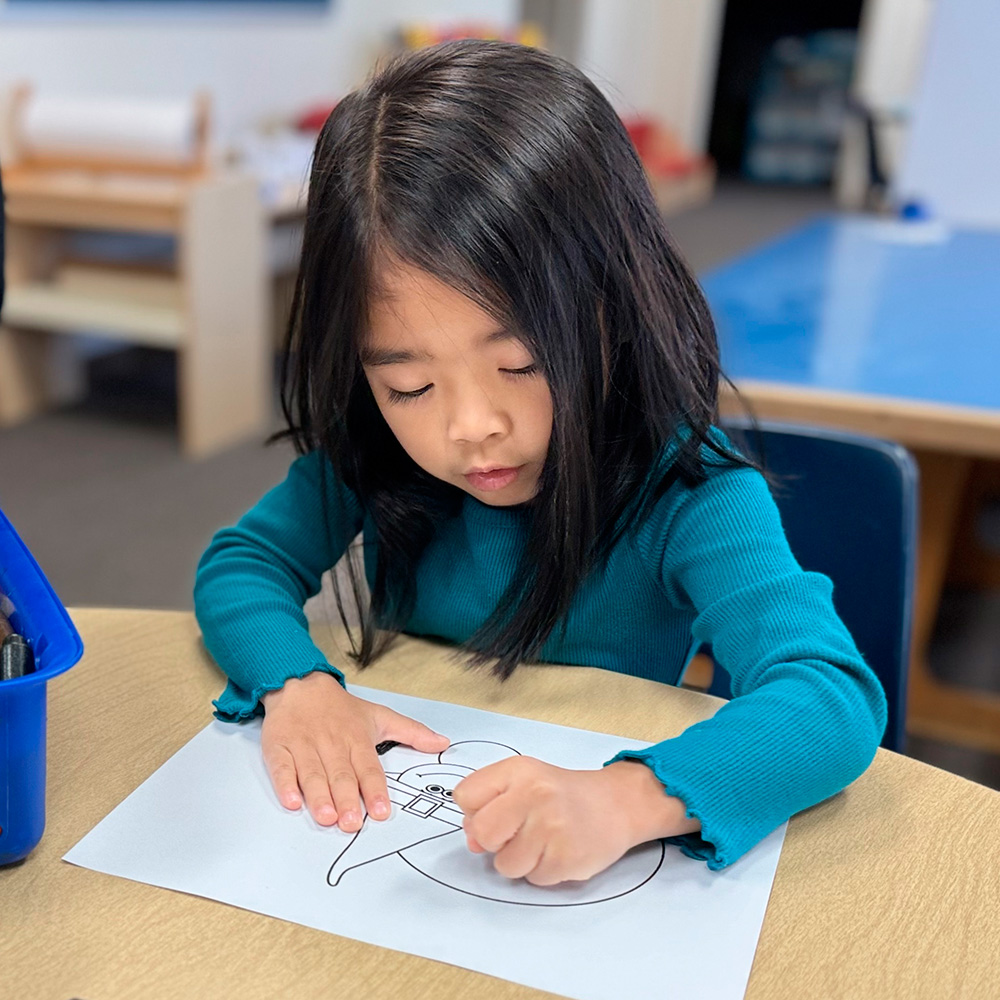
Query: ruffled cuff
[[237, 705], [702, 846]]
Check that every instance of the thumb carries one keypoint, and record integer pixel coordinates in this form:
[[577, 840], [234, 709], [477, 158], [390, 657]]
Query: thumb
[[415, 734]]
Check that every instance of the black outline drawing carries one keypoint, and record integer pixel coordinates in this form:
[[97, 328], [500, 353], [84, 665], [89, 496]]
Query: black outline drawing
[[431, 803]]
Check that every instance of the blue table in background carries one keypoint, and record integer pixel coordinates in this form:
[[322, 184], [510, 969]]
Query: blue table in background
[[891, 329]]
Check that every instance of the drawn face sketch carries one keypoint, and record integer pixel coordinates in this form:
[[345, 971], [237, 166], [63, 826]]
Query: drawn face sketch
[[425, 821]]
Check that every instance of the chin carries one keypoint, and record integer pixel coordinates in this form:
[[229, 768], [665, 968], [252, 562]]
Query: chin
[[491, 500], [504, 498]]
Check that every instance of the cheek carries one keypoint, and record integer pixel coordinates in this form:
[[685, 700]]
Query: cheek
[[539, 411]]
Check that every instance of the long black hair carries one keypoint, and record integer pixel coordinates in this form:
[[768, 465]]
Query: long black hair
[[505, 173]]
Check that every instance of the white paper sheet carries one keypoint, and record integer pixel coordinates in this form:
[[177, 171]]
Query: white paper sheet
[[656, 924]]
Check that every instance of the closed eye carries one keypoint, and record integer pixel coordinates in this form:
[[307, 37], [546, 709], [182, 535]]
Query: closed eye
[[531, 369], [398, 396]]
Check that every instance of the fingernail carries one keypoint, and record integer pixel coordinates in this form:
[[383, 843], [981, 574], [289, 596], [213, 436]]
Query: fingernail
[[292, 802], [380, 809], [350, 818], [327, 814]]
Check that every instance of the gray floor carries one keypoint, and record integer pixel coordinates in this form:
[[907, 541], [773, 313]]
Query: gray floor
[[117, 518]]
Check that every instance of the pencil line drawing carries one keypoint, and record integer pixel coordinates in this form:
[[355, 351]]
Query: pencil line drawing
[[425, 818]]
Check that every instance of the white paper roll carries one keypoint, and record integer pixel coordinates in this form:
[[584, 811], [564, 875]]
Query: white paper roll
[[153, 130]]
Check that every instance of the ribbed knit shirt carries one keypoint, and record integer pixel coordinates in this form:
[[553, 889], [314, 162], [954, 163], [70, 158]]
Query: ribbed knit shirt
[[710, 563]]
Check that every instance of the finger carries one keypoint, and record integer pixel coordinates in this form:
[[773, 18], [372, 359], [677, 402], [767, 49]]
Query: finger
[[480, 787], [343, 783], [497, 823], [281, 767], [371, 779], [568, 863], [548, 872], [520, 857], [315, 787], [414, 734]]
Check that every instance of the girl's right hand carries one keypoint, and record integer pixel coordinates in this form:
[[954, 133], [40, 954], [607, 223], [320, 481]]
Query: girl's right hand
[[319, 743]]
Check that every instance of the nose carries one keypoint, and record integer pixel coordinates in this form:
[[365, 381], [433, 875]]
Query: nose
[[473, 418]]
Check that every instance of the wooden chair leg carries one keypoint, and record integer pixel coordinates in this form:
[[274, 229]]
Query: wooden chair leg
[[937, 710], [973, 564], [699, 672]]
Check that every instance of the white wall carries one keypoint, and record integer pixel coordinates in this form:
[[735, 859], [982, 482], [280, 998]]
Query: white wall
[[952, 150], [655, 57], [893, 37], [255, 65], [891, 46]]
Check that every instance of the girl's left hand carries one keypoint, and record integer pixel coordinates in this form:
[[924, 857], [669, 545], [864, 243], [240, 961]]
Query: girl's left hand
[[548, 824]]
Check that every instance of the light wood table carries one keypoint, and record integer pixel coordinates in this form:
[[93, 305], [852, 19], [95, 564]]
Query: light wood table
[[890, 889]]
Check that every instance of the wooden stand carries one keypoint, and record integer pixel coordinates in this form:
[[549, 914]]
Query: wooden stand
[[210, 304], [938, 710], [949, 444]]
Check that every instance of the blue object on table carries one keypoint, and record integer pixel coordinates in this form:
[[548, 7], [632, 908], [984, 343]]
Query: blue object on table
[[880, 307], [849, 507], [914, 210], [39, 616]]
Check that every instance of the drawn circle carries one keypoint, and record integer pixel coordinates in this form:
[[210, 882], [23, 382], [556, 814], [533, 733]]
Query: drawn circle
[[443, 857], [448, 862], [476, 753]]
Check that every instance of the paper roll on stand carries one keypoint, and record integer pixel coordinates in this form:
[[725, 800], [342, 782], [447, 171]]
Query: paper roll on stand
[[124, 134]]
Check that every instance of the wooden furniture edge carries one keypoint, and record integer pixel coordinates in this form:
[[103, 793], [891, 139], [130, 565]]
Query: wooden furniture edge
[[932, 426]]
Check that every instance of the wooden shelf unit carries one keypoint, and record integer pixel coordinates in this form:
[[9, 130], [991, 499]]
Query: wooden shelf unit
[[211, 304], [47, 305]]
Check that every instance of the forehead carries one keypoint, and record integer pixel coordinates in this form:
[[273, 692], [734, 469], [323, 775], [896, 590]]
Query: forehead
[[417, 312]]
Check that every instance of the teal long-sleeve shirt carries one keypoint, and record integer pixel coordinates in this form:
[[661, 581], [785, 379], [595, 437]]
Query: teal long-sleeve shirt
[[710, 563]]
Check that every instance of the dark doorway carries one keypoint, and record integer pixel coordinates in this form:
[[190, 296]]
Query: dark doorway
[[750, 30]]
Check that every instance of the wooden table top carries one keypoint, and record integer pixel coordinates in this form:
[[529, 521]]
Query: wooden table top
[[889, 889]]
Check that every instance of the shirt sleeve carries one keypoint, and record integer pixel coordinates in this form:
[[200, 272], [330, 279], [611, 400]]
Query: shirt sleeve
[[255, 577], [807, 713]]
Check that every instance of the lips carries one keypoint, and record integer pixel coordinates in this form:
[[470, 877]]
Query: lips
[[492, 479]]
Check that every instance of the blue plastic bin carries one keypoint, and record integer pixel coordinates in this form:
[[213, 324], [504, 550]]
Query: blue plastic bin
[[39, 616]]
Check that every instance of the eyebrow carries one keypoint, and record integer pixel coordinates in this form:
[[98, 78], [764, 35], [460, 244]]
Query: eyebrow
[[373, 357]]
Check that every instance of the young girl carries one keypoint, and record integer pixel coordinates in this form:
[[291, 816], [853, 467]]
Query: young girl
[[503, 375]]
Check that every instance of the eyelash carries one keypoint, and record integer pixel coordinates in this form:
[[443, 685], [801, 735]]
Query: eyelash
[[396, 396]]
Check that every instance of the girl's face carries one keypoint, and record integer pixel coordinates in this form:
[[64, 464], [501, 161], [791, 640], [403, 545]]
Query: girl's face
[[461, 393]]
